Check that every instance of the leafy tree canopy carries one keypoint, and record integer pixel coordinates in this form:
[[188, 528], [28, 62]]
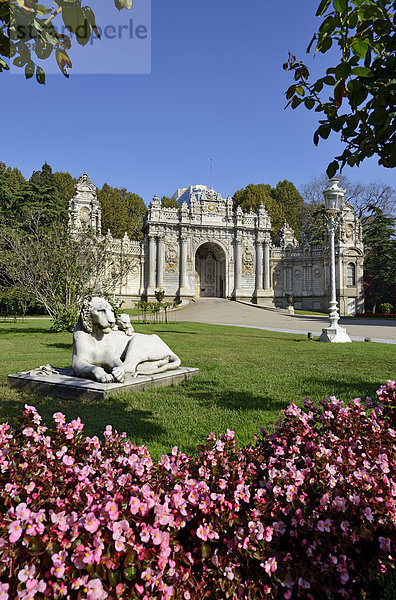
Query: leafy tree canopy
[[167, 202], [37, 199], [380, 258], [28, 32], [65, 183], [283, 203], [122, 211], [364, 76]]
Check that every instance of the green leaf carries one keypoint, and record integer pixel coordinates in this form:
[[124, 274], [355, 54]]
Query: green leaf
[[64, 62], [114, 577], [323, 6], [324, 44], [362, 71], [360, 47], [324, 131], [206, 550], [29, 69], [300, 90], [340, 6], [43, 49], [90, 15], [329, 80], [73, 16], [358, 96], [342, 71], [296, 102], [309, 103], [332, 169], [130, 572]]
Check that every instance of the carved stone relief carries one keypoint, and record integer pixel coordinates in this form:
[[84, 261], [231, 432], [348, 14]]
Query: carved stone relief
[[171, 258]]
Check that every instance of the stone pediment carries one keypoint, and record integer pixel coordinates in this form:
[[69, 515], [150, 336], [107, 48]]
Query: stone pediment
[[211, 195]]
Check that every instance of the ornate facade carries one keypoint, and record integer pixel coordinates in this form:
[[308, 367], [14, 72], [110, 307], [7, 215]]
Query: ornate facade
[[205, 248]]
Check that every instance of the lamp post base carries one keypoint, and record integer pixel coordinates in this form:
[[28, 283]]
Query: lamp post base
[[334, 334]]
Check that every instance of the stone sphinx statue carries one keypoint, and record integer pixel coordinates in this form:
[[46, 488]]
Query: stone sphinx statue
[[105, 349]]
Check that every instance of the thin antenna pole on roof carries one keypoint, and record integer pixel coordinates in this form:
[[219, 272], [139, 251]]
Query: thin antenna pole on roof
[[211, 173]]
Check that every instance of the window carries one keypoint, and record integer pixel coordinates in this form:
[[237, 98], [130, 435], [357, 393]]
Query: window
[[351, 274]]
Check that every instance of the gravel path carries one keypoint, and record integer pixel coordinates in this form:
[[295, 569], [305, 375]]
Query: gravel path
[[224, 312]]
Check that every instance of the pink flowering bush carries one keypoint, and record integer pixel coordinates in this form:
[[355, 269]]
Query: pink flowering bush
[[307, 511]]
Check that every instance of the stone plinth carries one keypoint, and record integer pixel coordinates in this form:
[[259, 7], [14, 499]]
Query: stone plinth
[[64, 384], [334, 334]]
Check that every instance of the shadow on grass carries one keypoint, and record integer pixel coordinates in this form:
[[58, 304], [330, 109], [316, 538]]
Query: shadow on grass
[[61, 345], [207, 395], [354, 387], [140, 424], [24, 331]]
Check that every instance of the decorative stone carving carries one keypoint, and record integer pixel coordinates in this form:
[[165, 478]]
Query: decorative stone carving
[[171, 258], [84, 207], [286, 237], [248, 261], [105, 353]]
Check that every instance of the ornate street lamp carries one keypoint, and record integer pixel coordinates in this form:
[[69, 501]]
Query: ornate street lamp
[[334, 197]]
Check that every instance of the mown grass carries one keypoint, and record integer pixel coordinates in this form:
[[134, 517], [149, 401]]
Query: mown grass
[[246, 377]]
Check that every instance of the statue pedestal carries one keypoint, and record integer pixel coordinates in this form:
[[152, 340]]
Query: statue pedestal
[[334, 334], [64, 384]]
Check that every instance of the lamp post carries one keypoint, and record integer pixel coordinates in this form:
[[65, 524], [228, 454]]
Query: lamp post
[[334, 196]]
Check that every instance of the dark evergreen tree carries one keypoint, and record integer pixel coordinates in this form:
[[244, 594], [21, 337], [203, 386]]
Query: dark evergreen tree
[[380, 259], [122, 211], [291, 202], [167, 202], [253, 195]]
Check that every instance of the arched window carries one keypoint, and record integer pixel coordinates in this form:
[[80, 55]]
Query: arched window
[[351, 274]]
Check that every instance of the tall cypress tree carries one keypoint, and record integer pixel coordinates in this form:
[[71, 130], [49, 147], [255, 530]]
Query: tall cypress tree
[[380, 258]]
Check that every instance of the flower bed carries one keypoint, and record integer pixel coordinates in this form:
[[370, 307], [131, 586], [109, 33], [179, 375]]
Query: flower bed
[[375, 316], [307, 511]]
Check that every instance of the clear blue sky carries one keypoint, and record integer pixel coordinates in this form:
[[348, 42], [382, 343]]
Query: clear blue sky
[[216, 90]]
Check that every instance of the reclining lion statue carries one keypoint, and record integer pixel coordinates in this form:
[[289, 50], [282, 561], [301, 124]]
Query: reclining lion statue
[[105, 351]]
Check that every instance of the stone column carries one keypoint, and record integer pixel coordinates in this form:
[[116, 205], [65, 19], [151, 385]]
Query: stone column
[[160, 262], [142, 274], [237, 267], [259, 266], [151, 264], [183, 265], [267, 273]]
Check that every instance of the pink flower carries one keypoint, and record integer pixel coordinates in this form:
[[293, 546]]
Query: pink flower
[[355, 499], [59, 418], [91, 523], [344, 525], [156, 536], [26, 573], [368, 513], [4, 587], [134, 505], [270, 565], [202, 533], [385, 544], [112, 509], [344, 577], [67, 460], [15, 531], [22, 512], [145, 535], [95, 590]]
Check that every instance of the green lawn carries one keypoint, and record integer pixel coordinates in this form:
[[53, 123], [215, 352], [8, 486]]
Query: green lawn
[[246, 377]]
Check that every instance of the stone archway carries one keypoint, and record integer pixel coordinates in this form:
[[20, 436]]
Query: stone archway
[[210, 271]]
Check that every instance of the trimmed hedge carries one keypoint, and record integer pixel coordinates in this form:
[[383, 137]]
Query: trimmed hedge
[[307, 511]]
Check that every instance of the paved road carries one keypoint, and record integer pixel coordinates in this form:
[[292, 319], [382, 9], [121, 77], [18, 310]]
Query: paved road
[[224, 312]]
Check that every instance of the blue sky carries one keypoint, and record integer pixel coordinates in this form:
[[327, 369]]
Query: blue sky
[[216, 90]]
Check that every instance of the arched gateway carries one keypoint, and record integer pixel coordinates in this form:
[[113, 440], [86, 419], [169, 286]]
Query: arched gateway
[[210, 270]]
